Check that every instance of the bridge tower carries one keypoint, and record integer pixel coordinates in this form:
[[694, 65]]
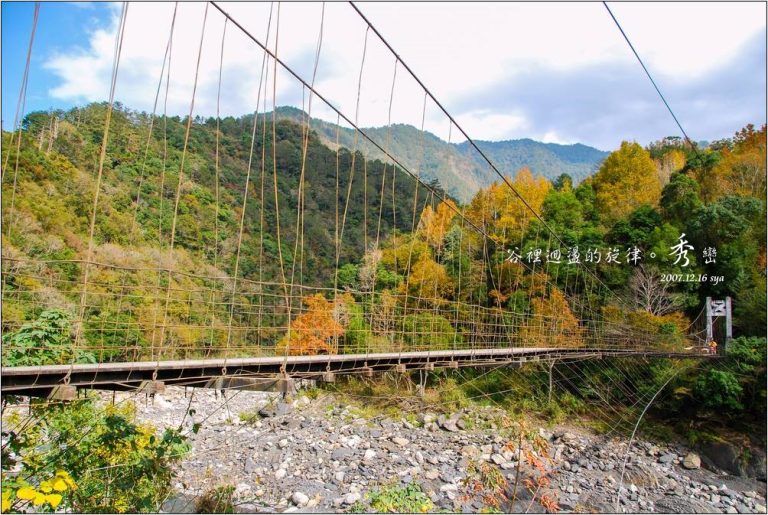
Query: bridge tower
[[715, 309]]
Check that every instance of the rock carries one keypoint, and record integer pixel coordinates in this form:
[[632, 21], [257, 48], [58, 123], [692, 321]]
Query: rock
[[449, 488], [283, 443], [692, 461], [280, 474], [667, 458], [759, 508], [432, 474], [275, 409], [547, 435], [250, 466], [470, 451], [402, 442], [498, 459], [369, 455], [339, 476], [682, 505], [299, 498], [340, 453], [352, 498]]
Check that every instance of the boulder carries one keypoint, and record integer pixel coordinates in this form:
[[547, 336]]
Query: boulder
[[692, 461]]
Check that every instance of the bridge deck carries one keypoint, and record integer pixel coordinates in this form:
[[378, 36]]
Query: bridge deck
[[198, 371]]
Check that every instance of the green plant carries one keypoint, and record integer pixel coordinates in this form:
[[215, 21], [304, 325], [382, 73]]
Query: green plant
[[44, 341], [400, 499]]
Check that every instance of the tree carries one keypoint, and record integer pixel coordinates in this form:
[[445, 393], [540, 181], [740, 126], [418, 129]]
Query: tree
[[563, 182], [648, 293], [680, 198], [428, 280], [670, 162], [552, 323], [742, 170], [434, 224], [312, 331], [626, 180]]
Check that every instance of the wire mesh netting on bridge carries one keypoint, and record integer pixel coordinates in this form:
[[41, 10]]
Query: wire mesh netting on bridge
[[133, 236]]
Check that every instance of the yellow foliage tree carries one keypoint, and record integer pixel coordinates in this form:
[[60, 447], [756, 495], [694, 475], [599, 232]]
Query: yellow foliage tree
[[670, 162], [626, 180], [742, 170], [434, 223], [312, 332], [429, 281], [501, 212]]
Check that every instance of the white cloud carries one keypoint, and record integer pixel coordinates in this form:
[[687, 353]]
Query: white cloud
[[455, 48]]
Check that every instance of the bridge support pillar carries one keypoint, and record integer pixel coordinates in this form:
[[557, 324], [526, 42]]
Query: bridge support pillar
[[151, 387], [549, 394], [328, 377], [367, 371], [429, 367], [400, 368], [453, 364], [286, 385], [63, 393]]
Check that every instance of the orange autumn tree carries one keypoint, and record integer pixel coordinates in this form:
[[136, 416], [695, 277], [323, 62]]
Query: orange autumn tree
[[553, 324], [313, 331]]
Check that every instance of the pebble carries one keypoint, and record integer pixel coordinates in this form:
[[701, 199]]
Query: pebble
[[320, 460]]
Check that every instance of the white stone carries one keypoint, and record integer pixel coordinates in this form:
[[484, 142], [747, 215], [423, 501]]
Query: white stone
[[283, 443], [300, 498], [352, 498], [280, 474], [369, 455]]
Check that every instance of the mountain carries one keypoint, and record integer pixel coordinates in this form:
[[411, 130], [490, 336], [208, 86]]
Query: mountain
[[458, 166]]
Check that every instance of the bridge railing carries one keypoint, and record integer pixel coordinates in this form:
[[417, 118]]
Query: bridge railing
[[130, 312]]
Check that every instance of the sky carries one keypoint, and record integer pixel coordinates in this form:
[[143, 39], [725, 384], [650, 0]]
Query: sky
[[553, 72]]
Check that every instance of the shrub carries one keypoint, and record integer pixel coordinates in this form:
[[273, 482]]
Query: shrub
[[45, 341], [93, 459]]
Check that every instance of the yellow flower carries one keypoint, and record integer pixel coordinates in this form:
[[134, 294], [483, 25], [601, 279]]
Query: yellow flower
[[61, 474], [59, 485], [46, 487], [26, 493], [53, 499], [39, 499], [6, 501]]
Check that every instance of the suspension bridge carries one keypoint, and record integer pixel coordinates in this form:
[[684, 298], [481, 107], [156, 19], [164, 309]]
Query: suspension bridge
[[142, 309]]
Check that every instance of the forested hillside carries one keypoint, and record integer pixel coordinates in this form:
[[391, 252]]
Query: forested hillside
[[458, 166], [492, 252]]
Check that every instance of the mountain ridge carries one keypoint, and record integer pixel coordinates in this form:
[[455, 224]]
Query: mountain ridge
[[458, 166]]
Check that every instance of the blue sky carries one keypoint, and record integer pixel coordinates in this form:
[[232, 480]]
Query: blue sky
[[556, 72], [60, 26]]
